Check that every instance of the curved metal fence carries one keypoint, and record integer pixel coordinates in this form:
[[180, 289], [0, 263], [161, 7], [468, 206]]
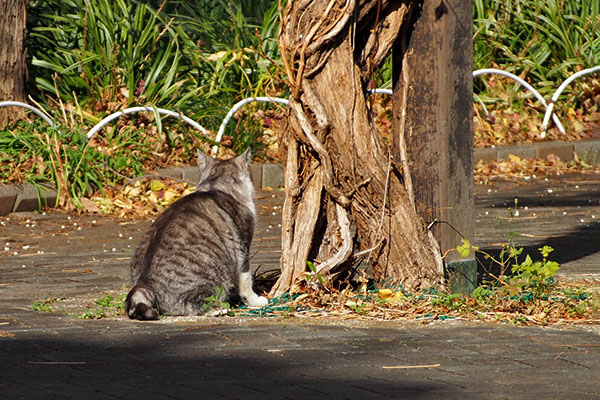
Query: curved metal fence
[[549, 105]]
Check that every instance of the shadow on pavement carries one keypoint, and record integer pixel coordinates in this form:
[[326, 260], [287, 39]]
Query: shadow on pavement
[[185, 367], [579, 243]]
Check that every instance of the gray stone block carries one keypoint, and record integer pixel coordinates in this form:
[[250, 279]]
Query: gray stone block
[[564, 150], [256, 172], [588, 151], [462, 276], [272, 175], [190, 174], [8, 196], [174, 172], [524, 151], [487, 154], [30, 198]]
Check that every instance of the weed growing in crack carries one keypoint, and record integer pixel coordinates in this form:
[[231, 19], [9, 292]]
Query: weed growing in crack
[[108, 305], [44, 305]]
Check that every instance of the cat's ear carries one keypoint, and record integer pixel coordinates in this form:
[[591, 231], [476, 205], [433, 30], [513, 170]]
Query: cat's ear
[[203, 159], [247, 155]]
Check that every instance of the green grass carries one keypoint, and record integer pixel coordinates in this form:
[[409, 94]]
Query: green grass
[[44, 305], [106, 55], [88, 59], [543, 40], [107, 306]]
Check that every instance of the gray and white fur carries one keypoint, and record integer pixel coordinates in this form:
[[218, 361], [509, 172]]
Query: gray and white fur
[[199, 243]]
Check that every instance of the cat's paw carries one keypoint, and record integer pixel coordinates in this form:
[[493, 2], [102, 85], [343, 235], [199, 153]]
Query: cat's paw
[[217, 312], [257, 301]]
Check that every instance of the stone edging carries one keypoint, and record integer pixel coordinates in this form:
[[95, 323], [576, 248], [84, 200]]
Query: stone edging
[[586, 150], [17, 198]]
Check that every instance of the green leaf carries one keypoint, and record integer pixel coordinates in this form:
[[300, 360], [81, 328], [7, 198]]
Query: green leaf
[[546, 250], [514, 252], [550, 269], [465, 248]]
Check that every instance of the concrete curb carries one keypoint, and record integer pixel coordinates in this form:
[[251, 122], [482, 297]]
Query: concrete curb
[[15, 198], [586, 150], [24, 197]]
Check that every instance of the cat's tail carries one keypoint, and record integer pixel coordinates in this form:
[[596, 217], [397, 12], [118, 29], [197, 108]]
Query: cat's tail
[[140, 303]]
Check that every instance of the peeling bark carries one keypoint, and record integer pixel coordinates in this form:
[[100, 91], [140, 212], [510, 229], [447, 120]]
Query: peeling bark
[[339, 169]]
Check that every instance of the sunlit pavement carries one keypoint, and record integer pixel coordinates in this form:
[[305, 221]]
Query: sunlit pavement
[[78, 259]]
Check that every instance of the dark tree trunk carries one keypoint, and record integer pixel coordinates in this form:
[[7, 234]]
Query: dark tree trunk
[[13, 67], [339, 170]]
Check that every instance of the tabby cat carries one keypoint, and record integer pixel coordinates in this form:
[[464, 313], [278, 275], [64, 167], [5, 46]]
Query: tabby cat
[[198, 244]]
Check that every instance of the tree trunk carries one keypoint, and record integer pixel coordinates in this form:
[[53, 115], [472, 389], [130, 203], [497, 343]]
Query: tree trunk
[[339, 169], [13, 67]]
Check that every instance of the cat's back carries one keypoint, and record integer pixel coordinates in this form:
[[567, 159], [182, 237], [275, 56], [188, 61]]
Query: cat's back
[[211, 210], [204, 226]]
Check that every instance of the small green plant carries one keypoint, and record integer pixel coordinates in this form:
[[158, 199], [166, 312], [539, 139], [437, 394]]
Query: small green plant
[[43, 305], [359, 308], [465, 248], [452, 301], [482, 293], [215, 301], [107, 306], [314, 273], [529, 280], [535, 276]]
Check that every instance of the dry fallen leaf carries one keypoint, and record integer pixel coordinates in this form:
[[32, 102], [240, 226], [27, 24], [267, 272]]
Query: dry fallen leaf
[[386, 293], [88, 205]]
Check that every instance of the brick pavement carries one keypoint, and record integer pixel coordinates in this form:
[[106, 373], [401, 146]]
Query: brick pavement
[[57, 356]]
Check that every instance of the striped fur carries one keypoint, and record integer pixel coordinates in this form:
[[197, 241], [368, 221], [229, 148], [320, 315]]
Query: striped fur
[[202, 241]]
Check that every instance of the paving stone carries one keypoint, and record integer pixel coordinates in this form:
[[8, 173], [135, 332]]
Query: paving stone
[[30, 198], [256, 173], [524, 151], [190, 174], [588, 151], [235, 358], [563, 150], [272, 175], [172, 172], [8, 196], [487, 154]]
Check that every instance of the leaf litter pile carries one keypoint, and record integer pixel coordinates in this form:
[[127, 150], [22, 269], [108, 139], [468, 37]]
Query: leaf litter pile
[[151, 195], [561, 303], [140, 198], [517, 168], [566, 303]]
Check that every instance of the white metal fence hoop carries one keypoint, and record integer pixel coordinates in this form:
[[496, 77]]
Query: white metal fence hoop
[[239, 105], [132, 110], [560, 89], [36, 111], [526, 86]]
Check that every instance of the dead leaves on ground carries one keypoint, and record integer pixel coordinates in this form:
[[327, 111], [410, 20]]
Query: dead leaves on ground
[[140, 198], [525, 168], [567, 303]]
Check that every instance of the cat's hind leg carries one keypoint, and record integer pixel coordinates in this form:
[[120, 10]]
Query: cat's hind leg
[[140, 304], [247, 294]]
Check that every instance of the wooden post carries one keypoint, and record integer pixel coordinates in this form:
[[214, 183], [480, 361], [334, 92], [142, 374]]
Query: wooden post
[[433, 108]]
